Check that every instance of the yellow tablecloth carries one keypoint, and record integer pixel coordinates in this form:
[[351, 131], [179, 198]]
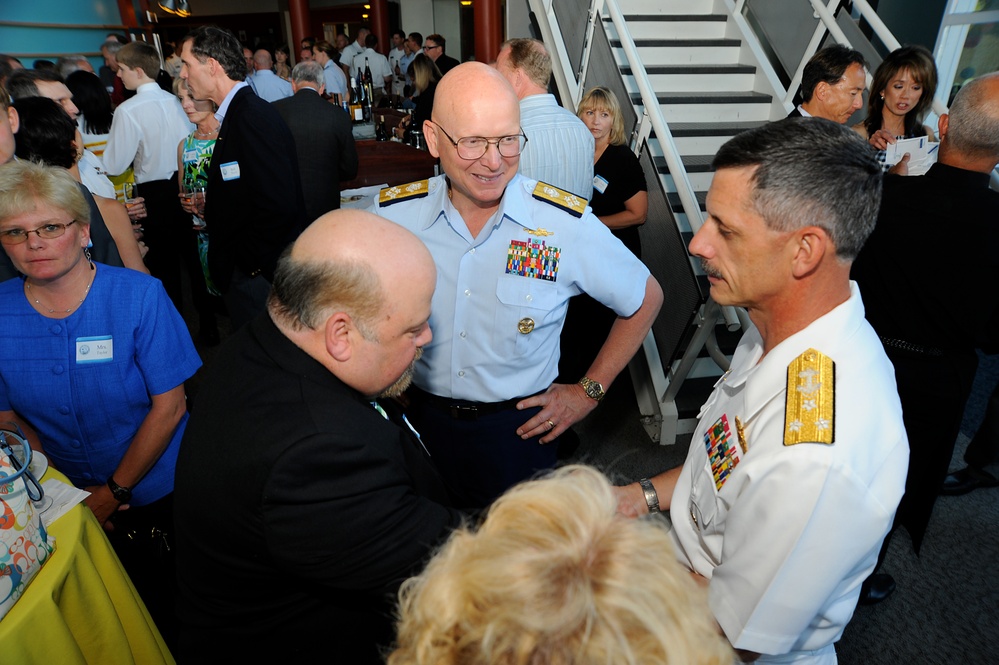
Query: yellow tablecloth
[[81, 607]]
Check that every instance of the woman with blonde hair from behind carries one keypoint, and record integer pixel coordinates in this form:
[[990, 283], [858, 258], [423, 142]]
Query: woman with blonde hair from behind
[[554, 576]]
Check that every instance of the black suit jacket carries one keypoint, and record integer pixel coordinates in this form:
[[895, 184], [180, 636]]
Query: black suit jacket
[[325, 145], [299, 510], [252, 216], [914, 291], [446, 63]]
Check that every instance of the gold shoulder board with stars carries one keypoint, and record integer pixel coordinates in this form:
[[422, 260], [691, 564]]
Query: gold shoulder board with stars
[[414, 190], [810, 416], [572, 204]]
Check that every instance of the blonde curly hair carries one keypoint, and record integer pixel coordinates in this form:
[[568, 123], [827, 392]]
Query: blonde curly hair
[[554, 576]]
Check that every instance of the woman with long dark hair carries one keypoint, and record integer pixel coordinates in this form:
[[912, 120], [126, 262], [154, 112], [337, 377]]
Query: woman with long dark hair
[[901, 93]]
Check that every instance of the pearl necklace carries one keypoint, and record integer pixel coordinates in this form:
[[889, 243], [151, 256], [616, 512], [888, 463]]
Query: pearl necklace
[[27, 285], [204, 135]]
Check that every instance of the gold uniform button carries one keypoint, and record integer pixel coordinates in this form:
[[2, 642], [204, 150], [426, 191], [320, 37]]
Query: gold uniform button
[[693, 518], [525, 325]]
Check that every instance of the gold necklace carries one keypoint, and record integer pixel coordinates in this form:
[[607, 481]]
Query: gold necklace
[[27, 285]]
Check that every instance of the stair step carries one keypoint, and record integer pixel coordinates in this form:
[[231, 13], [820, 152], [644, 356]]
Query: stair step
[[667, 7], [674, 202], [700, 70], [719, 18], [747, 97], [681, 43], [692, 163], [712, 128], [701, 138], [678, 52], [666, 26]]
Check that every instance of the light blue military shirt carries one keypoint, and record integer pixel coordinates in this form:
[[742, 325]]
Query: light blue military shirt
[[269, 86], [501, 298]]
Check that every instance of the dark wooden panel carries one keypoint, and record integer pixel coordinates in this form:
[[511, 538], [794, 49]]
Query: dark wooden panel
[[390, 162]]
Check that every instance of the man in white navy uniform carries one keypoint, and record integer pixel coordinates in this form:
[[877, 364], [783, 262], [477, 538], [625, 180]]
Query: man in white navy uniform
[[798, 462], [510, 252]]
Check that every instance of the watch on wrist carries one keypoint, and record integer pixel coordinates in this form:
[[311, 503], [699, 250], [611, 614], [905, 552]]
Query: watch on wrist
[[592, 388], [120, 494], [651, 497]]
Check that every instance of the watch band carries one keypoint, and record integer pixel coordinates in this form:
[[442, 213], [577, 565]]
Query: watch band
[[120, 494], [651, 497], [593, 389]]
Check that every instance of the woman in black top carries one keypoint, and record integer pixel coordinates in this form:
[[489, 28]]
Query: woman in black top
[[619, 200], [620, 195]]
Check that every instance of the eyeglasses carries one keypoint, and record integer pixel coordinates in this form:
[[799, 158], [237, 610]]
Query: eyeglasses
[[48, 231], [474, 147], [431, 48]]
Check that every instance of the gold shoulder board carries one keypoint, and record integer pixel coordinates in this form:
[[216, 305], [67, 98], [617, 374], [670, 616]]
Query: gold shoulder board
[[414, 190], [810, 416], [572, 204]]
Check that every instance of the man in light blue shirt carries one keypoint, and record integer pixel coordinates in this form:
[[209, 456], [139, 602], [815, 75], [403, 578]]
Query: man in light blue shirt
[[560, 148], [264, 81], [510, 252]]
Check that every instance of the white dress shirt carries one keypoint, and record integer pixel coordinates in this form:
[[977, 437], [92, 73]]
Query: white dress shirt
[[145, 132]]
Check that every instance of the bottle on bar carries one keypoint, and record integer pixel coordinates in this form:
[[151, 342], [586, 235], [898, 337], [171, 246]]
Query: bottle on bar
[[356, 114], [380, 133], [367, 86]]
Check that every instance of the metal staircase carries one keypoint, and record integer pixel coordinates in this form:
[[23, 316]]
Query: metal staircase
[[703, 82], [696, 73]]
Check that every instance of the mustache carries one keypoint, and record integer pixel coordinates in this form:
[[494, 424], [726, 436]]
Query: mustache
[[709, 271]]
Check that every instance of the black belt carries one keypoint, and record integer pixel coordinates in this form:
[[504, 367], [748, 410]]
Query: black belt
[[902, 345], [462, 409]]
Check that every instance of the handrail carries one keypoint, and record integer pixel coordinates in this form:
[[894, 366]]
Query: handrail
[[688, 198], [827, 22], [888, 39]]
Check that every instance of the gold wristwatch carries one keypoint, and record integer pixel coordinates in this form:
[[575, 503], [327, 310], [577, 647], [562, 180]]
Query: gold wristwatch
[[592, 388]]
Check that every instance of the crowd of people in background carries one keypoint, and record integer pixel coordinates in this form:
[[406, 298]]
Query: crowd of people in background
[[502, 299]]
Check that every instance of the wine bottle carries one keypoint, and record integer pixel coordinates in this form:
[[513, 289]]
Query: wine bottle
[[356, 114]]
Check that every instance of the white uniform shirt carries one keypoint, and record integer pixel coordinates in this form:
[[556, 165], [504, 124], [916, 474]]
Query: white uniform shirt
[[145, 132], [378, 63], [395, 57], [794, 530], [484, 294], [348, 53], [559, 147], [92, 176]]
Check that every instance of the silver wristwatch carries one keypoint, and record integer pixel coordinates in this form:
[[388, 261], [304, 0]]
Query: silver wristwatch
[[651, 497]]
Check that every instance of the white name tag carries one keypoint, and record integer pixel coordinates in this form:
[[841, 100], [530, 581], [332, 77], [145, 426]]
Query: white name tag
[[600, 183], [190, 156], [230, 171], [94, 349]]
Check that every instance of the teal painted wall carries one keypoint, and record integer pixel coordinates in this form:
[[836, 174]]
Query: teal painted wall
[[66, 41]]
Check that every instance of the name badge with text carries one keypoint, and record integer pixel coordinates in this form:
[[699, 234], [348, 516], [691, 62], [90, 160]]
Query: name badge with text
[[190, 156], [230, 171], [600, 183], [94, 349]]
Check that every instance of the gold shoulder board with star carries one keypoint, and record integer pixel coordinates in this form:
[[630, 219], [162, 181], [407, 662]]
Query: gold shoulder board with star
[[572, 204], [409, 192], [810, 416]]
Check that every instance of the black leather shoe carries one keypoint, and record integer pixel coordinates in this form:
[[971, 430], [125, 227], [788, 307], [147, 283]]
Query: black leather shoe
[[965, 480], [876, 588]]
